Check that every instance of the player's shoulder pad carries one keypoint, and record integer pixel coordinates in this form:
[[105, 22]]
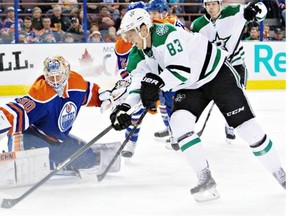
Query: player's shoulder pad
[[230, 10], [135, 56], [76, 82], [157, 21], [160, 33], [122, 47], [40, 91], [199, 23], [171, 19]]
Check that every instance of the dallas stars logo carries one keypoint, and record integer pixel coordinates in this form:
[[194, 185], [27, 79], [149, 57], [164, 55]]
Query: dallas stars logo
[[221, 42], [162, 30]]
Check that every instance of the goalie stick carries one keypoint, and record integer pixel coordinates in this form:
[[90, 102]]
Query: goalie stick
[[9, 203], [101, 176]]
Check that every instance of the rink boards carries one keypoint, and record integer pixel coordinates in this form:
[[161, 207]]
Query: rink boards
[[21, 64]]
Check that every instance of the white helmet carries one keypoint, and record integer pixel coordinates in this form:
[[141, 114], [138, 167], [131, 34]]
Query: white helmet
[[56, 72], [205, 1], [134, 19]]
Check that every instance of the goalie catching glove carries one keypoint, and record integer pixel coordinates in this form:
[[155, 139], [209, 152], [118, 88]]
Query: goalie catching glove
[[119, 118], [150, 87], [115, 96]]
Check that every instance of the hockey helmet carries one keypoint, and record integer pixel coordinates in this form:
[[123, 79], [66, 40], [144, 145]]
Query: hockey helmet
[[157, 5], [133, 19], [134, 5], [206, 1], [56, 72]]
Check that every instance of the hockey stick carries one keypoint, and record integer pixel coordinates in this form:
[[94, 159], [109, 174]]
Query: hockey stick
[[9, 203], [206, 120], [101, 176]]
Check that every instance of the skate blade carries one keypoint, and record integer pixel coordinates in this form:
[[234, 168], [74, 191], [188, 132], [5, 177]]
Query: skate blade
[[229, 141], [207, 195]]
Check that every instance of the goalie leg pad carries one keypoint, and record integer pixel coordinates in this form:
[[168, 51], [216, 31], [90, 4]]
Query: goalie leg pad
[[23, 167], [106, 152]]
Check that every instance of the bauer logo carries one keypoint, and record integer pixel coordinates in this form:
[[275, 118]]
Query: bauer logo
[[67, 116], [269, 60], [14, 62], [7, 156]]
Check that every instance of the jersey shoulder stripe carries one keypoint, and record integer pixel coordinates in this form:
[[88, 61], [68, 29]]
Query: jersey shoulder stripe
[[40, 91], [160, 32], [199, 23], [76, 82], [122, 47], [229, 10], [137, 57]]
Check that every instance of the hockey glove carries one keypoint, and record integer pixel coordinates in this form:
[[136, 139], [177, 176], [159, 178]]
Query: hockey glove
[[251, 11], [119, 118], [150, 87]]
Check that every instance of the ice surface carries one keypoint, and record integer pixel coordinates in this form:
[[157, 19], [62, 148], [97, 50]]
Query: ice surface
[[156, 181]]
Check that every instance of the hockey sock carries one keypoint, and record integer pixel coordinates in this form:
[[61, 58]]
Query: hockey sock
[[164, 114], [267, 155], [134, 137], [261, 146], [191, 146]]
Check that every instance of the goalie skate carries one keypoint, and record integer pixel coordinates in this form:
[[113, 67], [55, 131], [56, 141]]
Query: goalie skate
[[206, 188]]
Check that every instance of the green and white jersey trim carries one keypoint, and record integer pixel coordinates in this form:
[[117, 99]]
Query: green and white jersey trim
[[225, 31], [184, 60]]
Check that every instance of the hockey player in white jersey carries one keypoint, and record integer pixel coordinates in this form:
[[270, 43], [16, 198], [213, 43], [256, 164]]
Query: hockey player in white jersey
[[199, 72], [223, 27]]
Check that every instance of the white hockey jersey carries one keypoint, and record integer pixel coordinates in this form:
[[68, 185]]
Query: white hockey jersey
[[183, 60], [225, 31]]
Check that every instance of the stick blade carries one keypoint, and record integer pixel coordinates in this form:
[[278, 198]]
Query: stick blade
[[100, 177], [9, 203]]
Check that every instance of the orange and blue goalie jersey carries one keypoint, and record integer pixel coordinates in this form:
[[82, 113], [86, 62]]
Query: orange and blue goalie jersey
[[46, 112]]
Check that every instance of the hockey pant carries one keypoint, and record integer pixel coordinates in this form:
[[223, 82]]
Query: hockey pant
[[228, 94]]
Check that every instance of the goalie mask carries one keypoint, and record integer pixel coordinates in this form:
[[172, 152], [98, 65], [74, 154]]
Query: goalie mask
[[56, 73]]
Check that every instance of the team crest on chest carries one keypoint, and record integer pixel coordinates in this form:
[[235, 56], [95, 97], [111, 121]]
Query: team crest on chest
[[67, 116], [162, 30]]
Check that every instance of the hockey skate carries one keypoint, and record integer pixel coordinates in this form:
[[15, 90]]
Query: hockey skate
[[280, 175], [172, 144], [229, 131], [206, 188], [129, 149], [161, 134]]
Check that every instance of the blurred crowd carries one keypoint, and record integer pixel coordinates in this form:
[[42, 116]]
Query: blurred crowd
[[54, 21]]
